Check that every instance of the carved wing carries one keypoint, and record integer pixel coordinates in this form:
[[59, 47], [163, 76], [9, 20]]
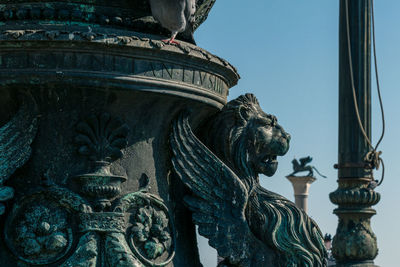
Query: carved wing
[[304, 161], [203, 7], [219, 197], [15, 139]]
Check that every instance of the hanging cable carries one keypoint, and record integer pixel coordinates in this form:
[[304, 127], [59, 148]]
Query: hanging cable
[[377, 76], [373, 156]]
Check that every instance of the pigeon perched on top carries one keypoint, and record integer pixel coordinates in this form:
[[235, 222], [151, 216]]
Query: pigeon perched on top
[[175, 15]]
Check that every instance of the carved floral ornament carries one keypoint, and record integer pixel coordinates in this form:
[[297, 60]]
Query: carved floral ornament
[[137, 232], [56, 226]]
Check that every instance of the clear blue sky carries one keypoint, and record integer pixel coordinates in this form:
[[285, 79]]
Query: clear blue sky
[[287, 54]]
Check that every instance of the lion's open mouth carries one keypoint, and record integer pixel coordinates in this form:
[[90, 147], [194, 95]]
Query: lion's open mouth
[[270, 159], [268, 165]]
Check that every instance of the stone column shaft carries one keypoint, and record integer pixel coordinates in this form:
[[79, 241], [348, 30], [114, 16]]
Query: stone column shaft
[[301, 185]]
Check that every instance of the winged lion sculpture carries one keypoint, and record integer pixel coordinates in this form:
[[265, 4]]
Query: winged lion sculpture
[[248, 225], [301, 165]]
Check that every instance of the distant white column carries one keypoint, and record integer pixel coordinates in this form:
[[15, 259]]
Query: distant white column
[[301, 185]]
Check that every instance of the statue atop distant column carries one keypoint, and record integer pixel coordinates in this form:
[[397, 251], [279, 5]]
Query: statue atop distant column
[[301, 165], [301, 184]]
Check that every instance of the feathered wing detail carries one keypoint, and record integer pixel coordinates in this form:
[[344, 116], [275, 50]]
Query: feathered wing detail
[[190, 10], [219, 197], [16, 136], [15, 139], [189, 13], [203, 7]]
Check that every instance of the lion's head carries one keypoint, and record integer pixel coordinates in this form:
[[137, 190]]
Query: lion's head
[[248, 139]]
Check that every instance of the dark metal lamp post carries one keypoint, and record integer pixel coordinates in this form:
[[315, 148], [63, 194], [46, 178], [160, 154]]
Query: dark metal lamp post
[[354, 243]]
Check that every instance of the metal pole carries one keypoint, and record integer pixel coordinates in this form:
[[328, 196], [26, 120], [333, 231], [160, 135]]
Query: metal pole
[[354, 244]]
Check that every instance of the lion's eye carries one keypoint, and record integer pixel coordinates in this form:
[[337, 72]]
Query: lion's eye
[[274, 120], [270, 120], [264, 121]]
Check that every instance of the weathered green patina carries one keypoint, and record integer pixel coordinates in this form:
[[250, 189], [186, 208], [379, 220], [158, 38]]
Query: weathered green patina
[[247, 224], [15, 139], [89, 153], [122, 14], [97, 188]]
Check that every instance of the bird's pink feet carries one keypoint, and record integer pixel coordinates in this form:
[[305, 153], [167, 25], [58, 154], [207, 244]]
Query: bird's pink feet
[[171, 41]]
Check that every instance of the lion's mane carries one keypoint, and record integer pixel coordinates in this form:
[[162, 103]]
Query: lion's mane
[[273, 219], [225, 134]]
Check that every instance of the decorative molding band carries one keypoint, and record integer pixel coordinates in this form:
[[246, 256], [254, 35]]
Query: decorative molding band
[[109, 222], [355, 196], [134, 14], [78, 60], [125, 38]]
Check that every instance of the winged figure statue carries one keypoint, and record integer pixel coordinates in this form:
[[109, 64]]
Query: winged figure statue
[[301, 165], [248, 225], [16, 137]]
